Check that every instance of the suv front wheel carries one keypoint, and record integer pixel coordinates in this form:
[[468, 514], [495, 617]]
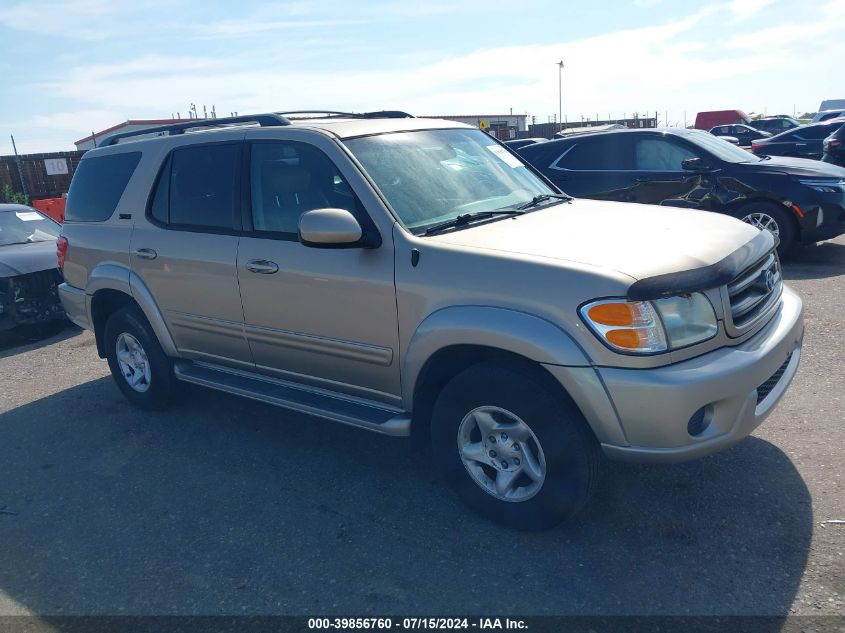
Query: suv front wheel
[[514, 449], [139, 366]]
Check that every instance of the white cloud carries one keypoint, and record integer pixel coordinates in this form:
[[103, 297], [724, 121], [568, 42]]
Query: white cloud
[[77, 19], [673, 66], [742, 10]]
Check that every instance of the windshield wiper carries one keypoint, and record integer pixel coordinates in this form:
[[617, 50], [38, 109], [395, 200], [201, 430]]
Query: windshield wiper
[[466, 218], [538, 199]]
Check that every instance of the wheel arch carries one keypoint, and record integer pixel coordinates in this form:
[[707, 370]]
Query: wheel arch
[[112, 287], [453, 339]]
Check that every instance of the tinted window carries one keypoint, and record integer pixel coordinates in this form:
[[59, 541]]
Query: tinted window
[[817, 132], [657, 154], [98, 185], [288, 179], [202, 186], [607, 153]]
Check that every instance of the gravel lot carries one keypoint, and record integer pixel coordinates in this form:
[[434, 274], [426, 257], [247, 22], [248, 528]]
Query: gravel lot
[[222, 505]]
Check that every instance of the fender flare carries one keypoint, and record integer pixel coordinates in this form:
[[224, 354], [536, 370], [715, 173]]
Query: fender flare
[[116, 277], [527, 335]]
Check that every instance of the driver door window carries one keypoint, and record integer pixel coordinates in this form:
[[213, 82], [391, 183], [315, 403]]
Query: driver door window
[[656, 154], [288, 179]]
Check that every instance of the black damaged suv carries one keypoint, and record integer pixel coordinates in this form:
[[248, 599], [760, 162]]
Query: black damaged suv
[[796, 199]]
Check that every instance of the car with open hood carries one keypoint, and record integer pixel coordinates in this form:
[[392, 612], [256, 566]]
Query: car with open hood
[[415, 277]]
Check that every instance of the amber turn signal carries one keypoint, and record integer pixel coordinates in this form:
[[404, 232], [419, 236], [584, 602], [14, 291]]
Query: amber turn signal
[[611, 314]]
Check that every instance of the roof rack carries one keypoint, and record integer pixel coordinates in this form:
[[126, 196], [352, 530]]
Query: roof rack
[[263, 120], [381, 114]]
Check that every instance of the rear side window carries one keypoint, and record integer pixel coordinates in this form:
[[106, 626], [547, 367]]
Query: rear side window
[[98, 185], [198, 188], [597, 154]]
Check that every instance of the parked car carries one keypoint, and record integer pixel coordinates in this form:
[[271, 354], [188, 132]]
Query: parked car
[[801, 142], [744, 134], [415, 277], [29, 278], [522, 142], [798, 200], [826, 115], [774, 124], [834, 147], [712, 118]]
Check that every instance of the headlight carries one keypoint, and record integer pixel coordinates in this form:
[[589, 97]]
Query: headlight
[[651, 327], [824, 185]]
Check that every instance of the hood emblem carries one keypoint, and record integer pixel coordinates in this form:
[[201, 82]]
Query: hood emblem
[[766, 281]]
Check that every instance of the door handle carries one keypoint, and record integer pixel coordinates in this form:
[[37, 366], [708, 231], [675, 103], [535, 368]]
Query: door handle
[[146, 253], [263, 266]]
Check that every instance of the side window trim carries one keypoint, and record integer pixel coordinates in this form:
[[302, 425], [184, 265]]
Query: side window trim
[[555, 165], [166, 169]]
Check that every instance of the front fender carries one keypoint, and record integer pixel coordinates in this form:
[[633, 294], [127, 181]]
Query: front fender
[[512, 331], [120, 278]]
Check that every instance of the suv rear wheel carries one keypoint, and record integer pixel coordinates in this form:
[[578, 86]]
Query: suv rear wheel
[[139, 366], [512, 448]]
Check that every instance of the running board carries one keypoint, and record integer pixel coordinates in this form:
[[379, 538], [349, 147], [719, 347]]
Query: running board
[[366, 414]]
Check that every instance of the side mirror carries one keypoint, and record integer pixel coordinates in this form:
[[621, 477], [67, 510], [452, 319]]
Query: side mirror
[[329, 228], [696, 164]]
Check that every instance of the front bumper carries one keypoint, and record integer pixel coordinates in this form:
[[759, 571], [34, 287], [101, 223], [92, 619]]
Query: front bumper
[[30, 299], [824, 217], [654, 406]]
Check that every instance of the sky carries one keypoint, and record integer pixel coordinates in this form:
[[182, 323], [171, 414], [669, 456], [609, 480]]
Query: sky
[[70, 67]]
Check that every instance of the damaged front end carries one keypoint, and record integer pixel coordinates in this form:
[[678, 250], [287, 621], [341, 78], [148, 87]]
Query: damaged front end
[[30, 299]]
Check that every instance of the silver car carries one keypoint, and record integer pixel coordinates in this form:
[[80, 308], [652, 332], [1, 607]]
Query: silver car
[[414, 277]]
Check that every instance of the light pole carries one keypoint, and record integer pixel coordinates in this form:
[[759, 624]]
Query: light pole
[[560, 94]]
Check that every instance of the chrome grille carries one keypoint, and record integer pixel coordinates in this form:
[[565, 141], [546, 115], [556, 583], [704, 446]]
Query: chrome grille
[[754, 291]]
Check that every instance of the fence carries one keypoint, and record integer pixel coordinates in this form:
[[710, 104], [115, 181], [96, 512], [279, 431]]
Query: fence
[[45, 175]]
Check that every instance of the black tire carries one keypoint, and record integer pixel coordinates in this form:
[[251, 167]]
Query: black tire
[[572, 454], [785, 224], [161, 386]]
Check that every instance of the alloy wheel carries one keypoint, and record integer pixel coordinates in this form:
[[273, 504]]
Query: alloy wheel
[[501, 454], [763, 221], [133, 362]]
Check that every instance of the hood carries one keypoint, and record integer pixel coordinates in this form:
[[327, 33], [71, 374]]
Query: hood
[[803, 167], [640, 241], [21, 259]]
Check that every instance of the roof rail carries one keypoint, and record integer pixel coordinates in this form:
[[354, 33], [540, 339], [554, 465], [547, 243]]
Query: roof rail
[[264, 120], [382, 114]]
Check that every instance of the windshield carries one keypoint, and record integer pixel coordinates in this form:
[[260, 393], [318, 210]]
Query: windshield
[[721, 148], [25, 226], [432, 176]]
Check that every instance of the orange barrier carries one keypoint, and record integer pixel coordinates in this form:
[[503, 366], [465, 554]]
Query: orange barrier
[[54, 207]]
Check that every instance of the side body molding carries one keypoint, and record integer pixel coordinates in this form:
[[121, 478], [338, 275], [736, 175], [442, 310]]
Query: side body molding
[[509, 330], [117, 277]]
